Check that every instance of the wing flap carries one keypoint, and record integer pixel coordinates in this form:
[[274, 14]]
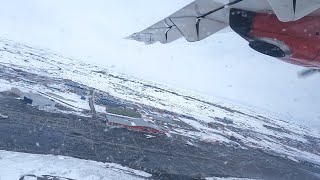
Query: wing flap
[[291, 10], [305, 7], [284, 9], [194, 29]]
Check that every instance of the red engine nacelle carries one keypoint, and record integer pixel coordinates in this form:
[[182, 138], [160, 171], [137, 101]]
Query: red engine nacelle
[[296, 42]]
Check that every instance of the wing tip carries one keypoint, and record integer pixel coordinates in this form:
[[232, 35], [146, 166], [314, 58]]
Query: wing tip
[[139, 37], [132, 37]]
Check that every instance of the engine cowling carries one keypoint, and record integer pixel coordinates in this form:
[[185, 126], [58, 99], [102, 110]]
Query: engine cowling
[[271, 47], [296, 42], [242, 23]]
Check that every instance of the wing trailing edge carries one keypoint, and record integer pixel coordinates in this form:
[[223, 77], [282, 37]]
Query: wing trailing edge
[[291, 10]]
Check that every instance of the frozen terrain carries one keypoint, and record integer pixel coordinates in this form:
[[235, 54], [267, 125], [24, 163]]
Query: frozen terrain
[[203, 118], [222, 65], [13, 165]]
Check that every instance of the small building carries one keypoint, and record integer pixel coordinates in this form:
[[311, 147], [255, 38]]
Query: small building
[[34, 99], [38, 100], [27, 100], [136, 124], [16, 92]]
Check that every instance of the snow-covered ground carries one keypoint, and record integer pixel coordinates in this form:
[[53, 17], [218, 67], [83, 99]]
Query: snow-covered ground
[[254, 129], [222, 65], [14, 165]]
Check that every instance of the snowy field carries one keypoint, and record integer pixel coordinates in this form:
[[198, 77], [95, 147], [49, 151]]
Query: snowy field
[[222, 65], [206, 83], [255, 129], [14, 165]]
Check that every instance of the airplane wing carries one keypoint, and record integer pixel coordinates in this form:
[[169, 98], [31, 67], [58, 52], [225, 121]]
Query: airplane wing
[[195, 22], [202, 18]]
